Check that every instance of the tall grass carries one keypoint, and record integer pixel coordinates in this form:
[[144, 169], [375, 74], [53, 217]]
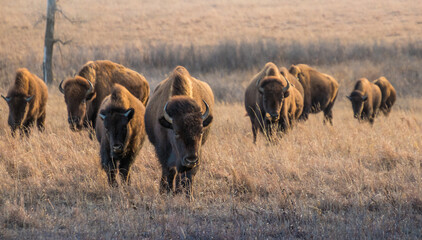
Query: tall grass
[[399, 62], [347, 181]]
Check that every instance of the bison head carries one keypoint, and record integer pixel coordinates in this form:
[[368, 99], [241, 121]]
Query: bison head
[[358, 100], [295, 71], [183, 117], [77, 91], [116, 128], [273, 93], [18, 109]]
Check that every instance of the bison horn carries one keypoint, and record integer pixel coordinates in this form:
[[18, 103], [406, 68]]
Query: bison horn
[[90, 89], [29, 98], [349, 97], [102, 116], [207, 110], [60, 87], [365, 97], [286, 88], [6, 98], [166, 115]]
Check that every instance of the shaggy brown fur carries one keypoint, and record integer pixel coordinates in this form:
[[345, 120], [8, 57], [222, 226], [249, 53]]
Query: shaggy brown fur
[[120, 130], [27, 100], [388, 94], [82, 108], [293, 80], [178, 144], [270, 107], [366, 100], [320, 91]]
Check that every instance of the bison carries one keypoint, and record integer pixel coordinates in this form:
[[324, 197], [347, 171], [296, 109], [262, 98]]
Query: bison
[[320, 91], [388, 95], [178, 120], [120, 131], [272, 102], [366, 100], [293, 80], [85, 92], [27, 100]]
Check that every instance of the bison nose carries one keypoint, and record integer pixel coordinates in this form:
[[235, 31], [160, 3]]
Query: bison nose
[[117, 148], [190, 161]]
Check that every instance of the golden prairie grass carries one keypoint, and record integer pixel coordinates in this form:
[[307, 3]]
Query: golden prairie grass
[[347, 181]]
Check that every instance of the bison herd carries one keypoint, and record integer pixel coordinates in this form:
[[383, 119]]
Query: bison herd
[[115, 102]]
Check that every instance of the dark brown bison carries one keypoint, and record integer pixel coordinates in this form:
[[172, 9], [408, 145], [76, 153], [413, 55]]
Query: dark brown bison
[[320, 91], [388, 95], [272, 102], [366, 100], [84, 93], [27, 100], [177, 121], [120, 130]]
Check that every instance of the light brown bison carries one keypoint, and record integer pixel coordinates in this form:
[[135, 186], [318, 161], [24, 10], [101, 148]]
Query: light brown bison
[[84, 93], [272, 102], [293, 80], [320, 91], [388, 95], [177, 121], [120, 130], [27, 100], [366, 100]]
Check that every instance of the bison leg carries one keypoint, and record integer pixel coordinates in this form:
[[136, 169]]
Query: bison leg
[[255, 126], [26, 129], [328, 114], [124, 168], [167, 179], [305, 114], [111, 174], [254, 133], [108, 165], [185, 183], [40, 123]]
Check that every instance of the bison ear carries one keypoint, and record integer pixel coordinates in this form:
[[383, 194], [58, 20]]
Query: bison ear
[[207, 121], [102, 115], [163, 122], [129, 113], [286, 94]]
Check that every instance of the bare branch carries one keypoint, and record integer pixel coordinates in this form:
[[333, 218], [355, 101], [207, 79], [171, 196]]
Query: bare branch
[[42, 18], [61, 42], [73, 21]]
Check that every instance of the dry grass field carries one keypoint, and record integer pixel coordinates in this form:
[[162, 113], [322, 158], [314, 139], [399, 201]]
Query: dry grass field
[[347, 181]]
